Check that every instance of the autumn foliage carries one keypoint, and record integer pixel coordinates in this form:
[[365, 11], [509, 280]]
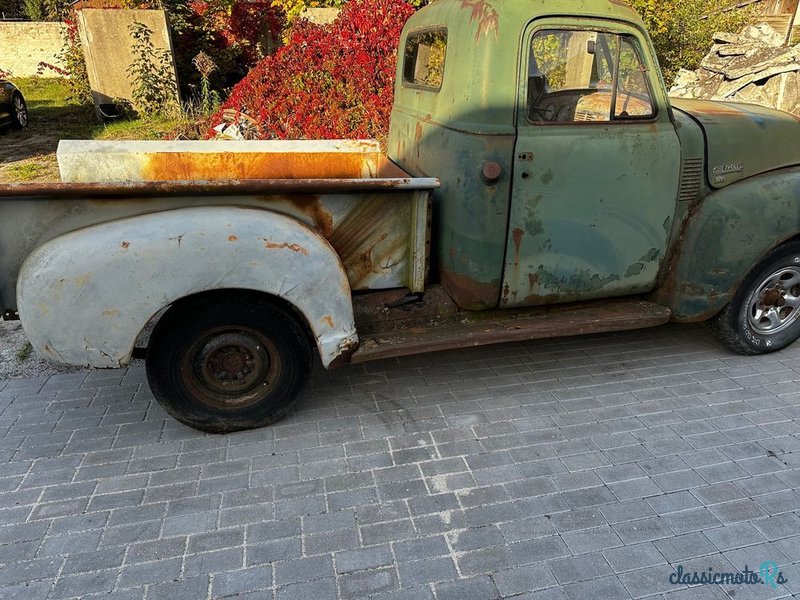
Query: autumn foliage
[[327, 82]]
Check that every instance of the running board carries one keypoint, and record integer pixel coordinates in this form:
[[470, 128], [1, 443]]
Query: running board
[[494, 327]]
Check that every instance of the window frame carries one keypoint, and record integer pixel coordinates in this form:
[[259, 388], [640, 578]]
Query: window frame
[[416, 33], [636, 46]]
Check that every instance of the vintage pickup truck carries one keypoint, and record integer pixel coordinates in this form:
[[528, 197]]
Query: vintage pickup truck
[[538, 183]]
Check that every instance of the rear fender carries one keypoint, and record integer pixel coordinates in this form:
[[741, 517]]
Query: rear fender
[[84, 297], [725, 237]]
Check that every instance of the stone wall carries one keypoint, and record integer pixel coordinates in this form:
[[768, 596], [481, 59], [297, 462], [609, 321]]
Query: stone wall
[[24, 44]]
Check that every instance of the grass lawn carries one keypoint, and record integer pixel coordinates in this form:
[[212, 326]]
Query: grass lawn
[[30, 155]]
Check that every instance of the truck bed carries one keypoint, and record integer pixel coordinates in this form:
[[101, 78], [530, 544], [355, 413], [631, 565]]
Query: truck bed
[[374, 214]]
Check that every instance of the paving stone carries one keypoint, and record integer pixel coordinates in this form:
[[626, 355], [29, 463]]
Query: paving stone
[[362, 559], [471, 588], [571, 569], [368, 583], [432, 570], [524, 579], [629, 558], [302, 569], [84, 584], [238, 582], [651, 528]]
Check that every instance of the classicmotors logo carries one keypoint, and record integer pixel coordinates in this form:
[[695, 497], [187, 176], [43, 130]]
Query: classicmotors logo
[[767, 574]]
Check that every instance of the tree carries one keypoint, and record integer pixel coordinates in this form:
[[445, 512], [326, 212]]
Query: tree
[[682, 29], [328, 81]]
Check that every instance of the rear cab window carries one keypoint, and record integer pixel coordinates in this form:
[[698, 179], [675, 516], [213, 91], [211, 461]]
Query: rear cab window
[[423, 62]]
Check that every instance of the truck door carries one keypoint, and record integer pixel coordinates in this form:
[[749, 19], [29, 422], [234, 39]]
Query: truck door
[[596, 166]]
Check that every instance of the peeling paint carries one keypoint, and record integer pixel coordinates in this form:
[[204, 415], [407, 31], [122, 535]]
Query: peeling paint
[[277, 246]]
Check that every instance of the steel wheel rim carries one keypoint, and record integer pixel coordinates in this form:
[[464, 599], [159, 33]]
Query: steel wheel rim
[[775, 304], [21, 111], [231, 367]]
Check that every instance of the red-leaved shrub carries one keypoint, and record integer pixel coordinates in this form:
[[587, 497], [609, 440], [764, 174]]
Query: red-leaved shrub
[[327, 82]]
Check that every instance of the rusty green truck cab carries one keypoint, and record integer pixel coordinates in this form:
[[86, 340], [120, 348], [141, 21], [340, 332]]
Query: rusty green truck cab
[[675, 202]]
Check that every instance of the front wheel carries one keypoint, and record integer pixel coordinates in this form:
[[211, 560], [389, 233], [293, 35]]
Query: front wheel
[[764, 315], [228, 363]]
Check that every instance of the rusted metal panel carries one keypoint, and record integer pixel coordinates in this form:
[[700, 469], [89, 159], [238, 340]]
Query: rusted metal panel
[[724, 237], [210, 188], [744, 140], [470, 215], [376, 233], [397, 310], [510, 326], [89, 311], [94, 161]]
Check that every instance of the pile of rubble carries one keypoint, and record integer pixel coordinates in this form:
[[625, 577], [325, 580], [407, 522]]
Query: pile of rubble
[[754, 66]]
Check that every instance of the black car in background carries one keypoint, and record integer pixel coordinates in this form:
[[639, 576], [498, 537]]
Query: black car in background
[[13, 110]]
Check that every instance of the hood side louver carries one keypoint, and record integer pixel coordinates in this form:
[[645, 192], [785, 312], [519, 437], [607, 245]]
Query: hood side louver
[[691, 179]]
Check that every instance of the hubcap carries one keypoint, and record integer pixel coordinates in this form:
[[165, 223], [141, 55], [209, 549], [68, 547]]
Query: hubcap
[[775, 305], [21, 111], [231, 367]]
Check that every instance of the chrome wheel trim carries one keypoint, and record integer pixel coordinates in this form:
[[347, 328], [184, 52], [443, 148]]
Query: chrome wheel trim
[[775, 304]]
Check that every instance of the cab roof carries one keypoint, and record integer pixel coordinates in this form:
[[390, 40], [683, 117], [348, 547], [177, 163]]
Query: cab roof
[[483, 54]]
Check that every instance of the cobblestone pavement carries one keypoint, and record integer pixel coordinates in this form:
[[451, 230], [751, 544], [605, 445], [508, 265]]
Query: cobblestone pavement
[[583, 468]]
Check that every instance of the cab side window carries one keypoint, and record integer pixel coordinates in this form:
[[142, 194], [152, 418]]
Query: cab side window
[[586, 76]]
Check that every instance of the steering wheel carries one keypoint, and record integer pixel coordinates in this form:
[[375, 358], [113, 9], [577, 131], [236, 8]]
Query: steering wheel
[[537, 89]]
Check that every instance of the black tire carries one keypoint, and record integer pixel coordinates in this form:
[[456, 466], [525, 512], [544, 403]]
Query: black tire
[[19, 111], [764, 315], [222, 363]]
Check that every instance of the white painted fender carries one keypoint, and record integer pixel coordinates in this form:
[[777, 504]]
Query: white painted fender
[[84, 297]]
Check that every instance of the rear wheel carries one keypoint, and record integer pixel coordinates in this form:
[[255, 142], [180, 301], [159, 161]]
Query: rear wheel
[[764, 315], [227, 363], [19, 111]]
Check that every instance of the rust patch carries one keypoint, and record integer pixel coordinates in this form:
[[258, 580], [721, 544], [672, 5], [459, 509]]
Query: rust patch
[[364, 242], [232, 238], [533, 282], [83, 280], [484, 15], [347, 350], [111, 312], [199, 166], [269, 245], [328, 320], [516, 235], [418, 132], [312, 207], [468, 293], [125, 245]]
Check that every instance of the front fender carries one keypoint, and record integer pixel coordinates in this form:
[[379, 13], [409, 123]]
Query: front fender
[[84, 297], [725, 237]]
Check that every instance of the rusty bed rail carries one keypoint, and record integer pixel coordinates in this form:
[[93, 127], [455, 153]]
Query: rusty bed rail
[[209, 188]]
